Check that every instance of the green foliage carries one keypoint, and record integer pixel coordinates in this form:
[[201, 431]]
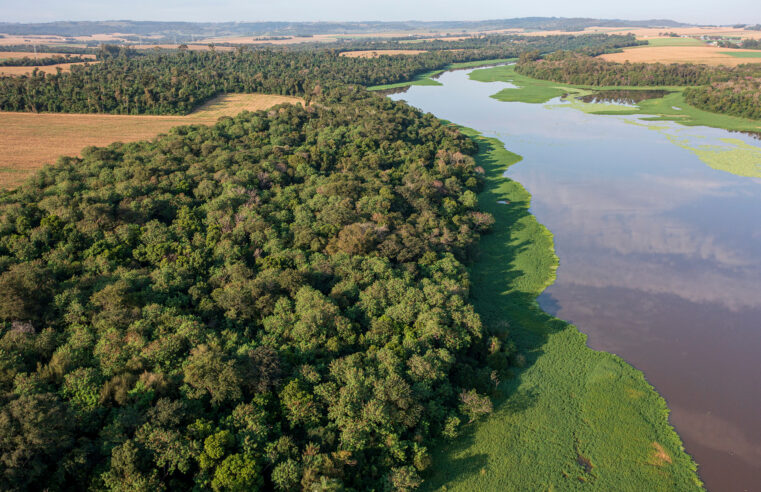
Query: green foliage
[[175, 83], [278, 300], [740, 97], [727, 90]]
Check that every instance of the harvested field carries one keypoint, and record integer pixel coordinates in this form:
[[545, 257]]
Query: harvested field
[[440, 38], [18, 71], [318, 38], [31, 140], [655, 32], [13, 39], [708, 55], [191, 47], [377, 53], [13, 55]]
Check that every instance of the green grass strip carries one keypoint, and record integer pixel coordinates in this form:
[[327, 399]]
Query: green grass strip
[[674, 42], [743, 54], [572, 418]]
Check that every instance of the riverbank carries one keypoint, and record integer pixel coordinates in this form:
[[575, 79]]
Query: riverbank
[[732, 156], [428, 78], [671, 107], [571, 417]]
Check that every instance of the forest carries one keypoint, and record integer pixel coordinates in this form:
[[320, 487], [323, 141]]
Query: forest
[[726, 90], [739, 97], [279, 300], [177, 82]]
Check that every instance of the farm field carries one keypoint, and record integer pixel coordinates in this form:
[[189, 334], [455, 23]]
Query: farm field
[[12, 39], [32, 140], [744, 54], [13, 55], [18, 71], [708, 55], [377, 53], [191, 47], [670, 41], [656, 32]]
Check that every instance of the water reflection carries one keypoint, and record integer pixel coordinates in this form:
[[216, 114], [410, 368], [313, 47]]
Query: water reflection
[[660, 256], [628, 97]]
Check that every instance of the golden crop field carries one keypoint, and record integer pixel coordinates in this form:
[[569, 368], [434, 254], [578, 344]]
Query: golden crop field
[[708, 55], [191, 47], [13, 55], [18, 71], [377, 53], [31, 140], [654, 32]]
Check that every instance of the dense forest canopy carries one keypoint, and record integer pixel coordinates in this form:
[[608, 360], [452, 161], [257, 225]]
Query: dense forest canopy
[[175, 83], [739, 97], [278, 300], [727, 90]]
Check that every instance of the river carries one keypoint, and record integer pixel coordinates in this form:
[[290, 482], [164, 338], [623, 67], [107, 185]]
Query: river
[[659, 255]]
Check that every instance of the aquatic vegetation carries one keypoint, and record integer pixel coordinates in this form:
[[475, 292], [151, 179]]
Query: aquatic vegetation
[[593, 419]]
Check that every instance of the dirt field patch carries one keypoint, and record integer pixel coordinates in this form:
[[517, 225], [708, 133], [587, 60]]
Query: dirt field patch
[[708, 55], [377, 53], [31, 140]]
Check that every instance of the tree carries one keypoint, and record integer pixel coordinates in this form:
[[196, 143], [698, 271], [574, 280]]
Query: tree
[[474, 405], [211, 373], [35, 434], [25, 290]]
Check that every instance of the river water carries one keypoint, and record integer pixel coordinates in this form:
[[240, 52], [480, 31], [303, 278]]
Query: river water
[[660, 255]]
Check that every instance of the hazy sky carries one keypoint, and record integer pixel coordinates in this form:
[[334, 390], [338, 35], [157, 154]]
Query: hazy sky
[[693, 11]]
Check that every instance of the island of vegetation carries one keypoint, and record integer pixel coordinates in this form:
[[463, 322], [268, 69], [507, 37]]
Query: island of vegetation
[[283, 300]]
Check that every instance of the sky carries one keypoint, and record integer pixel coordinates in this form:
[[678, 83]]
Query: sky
[[691, 11]]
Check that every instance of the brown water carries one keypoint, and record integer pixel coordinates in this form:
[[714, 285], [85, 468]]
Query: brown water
[[660, 256]]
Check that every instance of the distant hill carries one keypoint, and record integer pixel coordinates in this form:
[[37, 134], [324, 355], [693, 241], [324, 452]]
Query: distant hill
[[146, 28]]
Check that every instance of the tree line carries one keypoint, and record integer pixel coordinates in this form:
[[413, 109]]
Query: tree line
[[738, 97], [47, 60], [726, 90], [175, 83]]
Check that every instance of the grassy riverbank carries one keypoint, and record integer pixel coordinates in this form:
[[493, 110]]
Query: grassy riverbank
[[671, 107], [427, 77], [571, 418], [732, 156]]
